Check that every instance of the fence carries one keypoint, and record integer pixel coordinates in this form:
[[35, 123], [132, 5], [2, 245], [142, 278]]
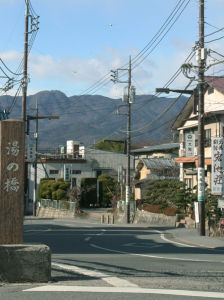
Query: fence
[[57, 204]]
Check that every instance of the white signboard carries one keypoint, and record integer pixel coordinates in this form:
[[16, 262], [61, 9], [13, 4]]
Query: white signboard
[[217, 165], [196, 212], [221, 203], [189, 144]]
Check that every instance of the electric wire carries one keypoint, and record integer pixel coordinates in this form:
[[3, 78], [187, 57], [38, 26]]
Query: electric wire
[[163, 113], [217, 39], [214, 32], [150, 44]]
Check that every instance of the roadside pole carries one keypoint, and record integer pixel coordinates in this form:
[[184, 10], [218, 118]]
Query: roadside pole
[[129, 98], [201, 168], [37, 117], [127, 198]]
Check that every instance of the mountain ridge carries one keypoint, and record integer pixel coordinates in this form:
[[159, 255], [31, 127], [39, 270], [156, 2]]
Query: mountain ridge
[[89, 118]]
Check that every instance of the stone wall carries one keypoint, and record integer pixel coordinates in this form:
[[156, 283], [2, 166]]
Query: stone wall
[[154, 219]]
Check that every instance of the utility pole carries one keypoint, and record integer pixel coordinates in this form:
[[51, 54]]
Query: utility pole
[[24, 93], [35, 164], [129, 98], [25, 62], [37, 117], [201, 84], [127, 198]]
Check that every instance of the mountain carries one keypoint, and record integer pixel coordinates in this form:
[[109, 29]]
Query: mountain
[[89, 118]]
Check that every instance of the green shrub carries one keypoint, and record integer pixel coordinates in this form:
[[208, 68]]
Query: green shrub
[[64, 186], [60, 194], [48, 189]]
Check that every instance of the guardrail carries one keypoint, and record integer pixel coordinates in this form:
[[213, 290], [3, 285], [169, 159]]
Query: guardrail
[[57, 204]]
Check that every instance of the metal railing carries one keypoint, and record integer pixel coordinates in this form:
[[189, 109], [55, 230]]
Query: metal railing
[[57, 204]]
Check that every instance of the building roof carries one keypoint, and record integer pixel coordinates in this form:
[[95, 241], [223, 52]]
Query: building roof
[[161, 147], [159, 163], [213, 81], [216, 82]]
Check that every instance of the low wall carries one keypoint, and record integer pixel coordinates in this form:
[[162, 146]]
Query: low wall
[[54, 213], [154, 219]]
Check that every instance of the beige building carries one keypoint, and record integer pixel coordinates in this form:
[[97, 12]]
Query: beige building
[[187, 124], [154, 162]]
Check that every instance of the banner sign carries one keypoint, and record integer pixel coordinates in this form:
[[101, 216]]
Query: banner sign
[[196, 212], [201, 184], [217, 165], [189, 144]]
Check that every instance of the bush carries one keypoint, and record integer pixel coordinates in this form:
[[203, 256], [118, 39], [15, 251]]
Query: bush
[[51, 189], [158, 209], [170, 211], [61, 194], [152, 208], [64, 186], [168, 193]]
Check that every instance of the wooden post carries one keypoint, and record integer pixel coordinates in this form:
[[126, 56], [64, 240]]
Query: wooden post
[[11, 181]]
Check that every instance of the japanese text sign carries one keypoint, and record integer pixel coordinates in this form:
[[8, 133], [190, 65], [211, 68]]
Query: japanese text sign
[[217, 165], [189, 144], [11, 181]]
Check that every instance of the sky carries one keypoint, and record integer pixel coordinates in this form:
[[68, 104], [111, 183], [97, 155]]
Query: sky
[[80, 41]]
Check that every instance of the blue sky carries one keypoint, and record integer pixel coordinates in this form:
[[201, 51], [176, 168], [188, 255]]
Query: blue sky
[[76, 44]]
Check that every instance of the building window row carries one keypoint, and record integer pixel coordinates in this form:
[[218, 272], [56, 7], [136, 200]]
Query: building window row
[[55, 172], [76, 172]]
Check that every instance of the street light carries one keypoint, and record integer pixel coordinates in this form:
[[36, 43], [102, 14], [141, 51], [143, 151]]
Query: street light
[[167, 91]]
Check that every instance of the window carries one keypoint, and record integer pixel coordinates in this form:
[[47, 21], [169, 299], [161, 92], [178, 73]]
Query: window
[[189, 183], [210, 90], [76, 172], [54, 172], [207, 138]]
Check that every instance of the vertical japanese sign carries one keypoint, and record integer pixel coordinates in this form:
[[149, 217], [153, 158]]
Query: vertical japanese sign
[[67, 172], [189, 144], [217, 165], [11, 181], [196, 212]]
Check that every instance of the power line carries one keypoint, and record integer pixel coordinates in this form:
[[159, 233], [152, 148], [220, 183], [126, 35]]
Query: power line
[[217, 39], [139, 56], [163, 113]]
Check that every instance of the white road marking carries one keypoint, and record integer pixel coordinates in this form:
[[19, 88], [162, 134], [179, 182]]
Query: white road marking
[[115, 281], [130, 290], [142, 245], [173, 242], [156, 256], [88, 238]]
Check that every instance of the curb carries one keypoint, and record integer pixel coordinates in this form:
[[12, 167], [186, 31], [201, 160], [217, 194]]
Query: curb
[[190, 242]]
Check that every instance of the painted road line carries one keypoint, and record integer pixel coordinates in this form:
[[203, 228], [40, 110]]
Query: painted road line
[[143, 245], [87, 238], [155, 256], [162, 236], [130, 290], [114, 281]]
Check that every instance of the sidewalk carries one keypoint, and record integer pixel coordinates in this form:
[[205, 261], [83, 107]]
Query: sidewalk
[[192, 237]]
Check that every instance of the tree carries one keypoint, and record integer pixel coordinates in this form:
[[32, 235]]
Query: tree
[[115, 146], [88, 192], [75, 196], [109, 190], [168, 193]]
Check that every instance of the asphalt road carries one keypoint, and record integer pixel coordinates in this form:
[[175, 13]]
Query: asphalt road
[[93, 261]]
